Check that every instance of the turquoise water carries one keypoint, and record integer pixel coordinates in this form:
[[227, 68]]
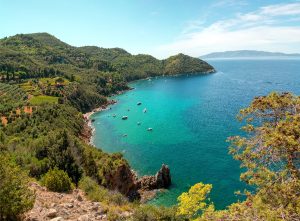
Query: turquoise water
[[191, 117]]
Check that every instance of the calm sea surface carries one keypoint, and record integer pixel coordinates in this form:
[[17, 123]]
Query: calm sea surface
[[191, 117]]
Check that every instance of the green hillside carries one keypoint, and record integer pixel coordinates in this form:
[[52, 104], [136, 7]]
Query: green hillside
[[93, 72]]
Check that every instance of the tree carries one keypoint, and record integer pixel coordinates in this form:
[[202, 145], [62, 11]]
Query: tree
[[15, 197], [270, 153], [194, 201]]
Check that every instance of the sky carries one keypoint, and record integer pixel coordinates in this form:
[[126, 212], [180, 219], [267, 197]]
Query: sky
[[160, 27]]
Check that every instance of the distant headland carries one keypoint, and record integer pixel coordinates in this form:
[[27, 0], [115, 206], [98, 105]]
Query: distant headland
[[248, 54]]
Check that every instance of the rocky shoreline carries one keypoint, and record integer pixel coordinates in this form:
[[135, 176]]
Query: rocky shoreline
[[88, 130]]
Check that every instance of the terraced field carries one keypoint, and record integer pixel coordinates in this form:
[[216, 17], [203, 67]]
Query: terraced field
[[38, 100], [11, 97]]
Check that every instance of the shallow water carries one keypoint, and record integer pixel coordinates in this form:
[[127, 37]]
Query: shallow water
[[191, 117]]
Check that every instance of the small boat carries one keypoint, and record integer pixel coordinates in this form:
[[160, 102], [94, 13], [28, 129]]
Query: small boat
[[114, 115], [145, 110], [139, 103], [124, 117], [138, 123], [149, 129], [124, 135]]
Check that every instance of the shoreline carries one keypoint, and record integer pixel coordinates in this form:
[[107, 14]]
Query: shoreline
[[89, 130]]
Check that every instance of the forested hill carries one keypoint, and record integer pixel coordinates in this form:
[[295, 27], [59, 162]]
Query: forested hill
[[32, 52], [91, 72]]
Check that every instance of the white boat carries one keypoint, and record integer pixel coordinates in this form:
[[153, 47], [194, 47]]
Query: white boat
[[138, 123], [145, 110], [124, 117], [149, 129], [139, 103]]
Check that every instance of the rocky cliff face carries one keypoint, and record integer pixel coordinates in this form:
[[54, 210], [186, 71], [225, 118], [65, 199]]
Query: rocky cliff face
[[125, 181], [161, 180]]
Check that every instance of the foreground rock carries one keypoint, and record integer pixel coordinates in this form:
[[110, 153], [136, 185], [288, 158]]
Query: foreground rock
[[161, 180], [127, 182], [63, 206]]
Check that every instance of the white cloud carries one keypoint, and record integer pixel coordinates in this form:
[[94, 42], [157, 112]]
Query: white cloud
[[231, 3], [258, 30], [281, 9]]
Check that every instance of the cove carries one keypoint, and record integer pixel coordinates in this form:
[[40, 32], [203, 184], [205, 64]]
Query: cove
[[191, 118]]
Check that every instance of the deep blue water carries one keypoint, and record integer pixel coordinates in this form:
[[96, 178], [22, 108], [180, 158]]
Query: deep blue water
[[191, 117]]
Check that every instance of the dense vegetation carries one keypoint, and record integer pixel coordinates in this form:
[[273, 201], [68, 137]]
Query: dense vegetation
[[90, 72], [15, 197]]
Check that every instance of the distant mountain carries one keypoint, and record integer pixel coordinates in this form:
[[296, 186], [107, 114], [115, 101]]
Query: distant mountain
[[246, 54]]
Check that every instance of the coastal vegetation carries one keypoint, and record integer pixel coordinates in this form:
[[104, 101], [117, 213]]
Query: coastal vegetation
[[15, 197], [81, 76], [47, 84]]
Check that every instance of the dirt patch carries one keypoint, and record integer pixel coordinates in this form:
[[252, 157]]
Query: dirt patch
[[4, 121]]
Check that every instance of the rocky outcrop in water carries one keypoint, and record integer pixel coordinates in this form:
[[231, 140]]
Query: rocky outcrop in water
[[126, 181], [161, 180]]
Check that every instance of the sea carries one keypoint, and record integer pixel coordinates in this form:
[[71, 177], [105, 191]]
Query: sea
[[184, 122]]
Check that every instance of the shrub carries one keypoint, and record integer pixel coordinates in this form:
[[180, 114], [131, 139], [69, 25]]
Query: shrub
[[95, 192], [194, 201], [114, 216], [153, 213], [57, 180], [15, 197]]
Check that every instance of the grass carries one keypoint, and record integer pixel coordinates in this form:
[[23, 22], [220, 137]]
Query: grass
[[52, 81], [42, 99]]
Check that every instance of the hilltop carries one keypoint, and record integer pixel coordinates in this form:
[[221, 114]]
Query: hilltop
[[246, 54], [35, 51], [86, 74]]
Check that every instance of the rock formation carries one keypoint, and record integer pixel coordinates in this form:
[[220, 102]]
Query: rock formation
[[124, 180], [162, 179]]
